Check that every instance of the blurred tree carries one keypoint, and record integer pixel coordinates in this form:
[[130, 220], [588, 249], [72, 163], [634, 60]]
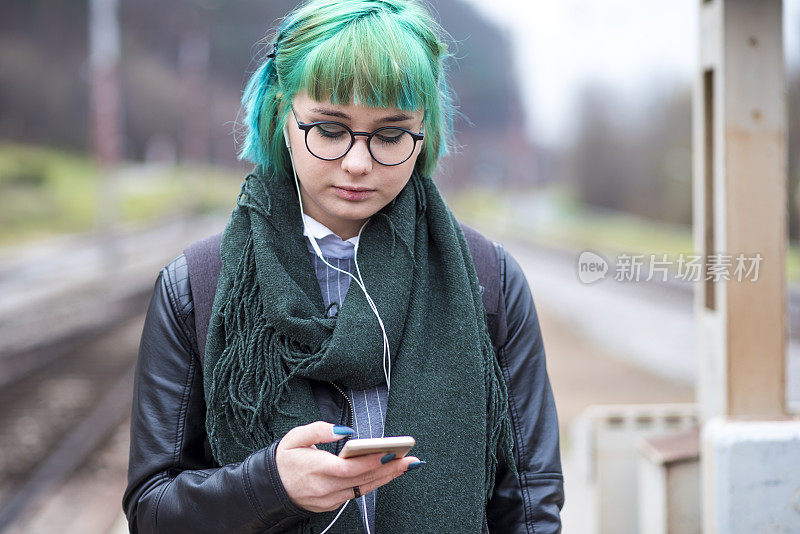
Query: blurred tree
[[634, 158], [599, 153]]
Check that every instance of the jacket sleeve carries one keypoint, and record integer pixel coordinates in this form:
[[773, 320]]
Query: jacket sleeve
[[174, 485], [532, 504]]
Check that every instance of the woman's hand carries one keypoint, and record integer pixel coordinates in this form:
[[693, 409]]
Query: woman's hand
[[320, 481]]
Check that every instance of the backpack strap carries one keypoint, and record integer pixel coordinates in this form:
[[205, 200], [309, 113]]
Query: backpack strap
[[204, 263], [485, 256]]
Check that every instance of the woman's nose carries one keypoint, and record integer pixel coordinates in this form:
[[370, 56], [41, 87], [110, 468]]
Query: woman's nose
[[358, 160]]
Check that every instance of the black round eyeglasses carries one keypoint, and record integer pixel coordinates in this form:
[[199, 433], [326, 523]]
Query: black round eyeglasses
[[331, 140]]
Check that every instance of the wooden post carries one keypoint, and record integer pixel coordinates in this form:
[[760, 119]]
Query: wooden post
[[740, 208]]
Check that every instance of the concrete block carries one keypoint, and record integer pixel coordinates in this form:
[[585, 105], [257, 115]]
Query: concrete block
[[751, 477]]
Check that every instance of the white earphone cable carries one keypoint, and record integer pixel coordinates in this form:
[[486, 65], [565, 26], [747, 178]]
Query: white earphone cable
[[387, 358], [337, 517]]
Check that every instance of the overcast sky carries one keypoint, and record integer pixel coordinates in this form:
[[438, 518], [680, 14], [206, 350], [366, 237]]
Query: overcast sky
[[631, 46]]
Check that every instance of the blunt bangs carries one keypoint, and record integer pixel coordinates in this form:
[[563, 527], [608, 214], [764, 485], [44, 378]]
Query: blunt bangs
[[368, 62]]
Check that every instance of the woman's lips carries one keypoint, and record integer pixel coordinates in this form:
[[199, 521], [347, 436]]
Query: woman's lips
[[353, 194]]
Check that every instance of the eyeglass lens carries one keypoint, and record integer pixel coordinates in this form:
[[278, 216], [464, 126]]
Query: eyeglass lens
[[331, 141]]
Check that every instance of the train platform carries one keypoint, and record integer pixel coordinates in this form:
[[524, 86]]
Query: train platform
[[584, 370]]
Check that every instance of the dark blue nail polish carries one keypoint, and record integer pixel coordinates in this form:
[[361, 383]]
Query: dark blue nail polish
[[388, 458], [414, 465], [343, 430]]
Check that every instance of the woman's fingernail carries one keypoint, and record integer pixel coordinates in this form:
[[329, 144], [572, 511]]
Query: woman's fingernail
[[388, 458], [343, 430], [414, 465]]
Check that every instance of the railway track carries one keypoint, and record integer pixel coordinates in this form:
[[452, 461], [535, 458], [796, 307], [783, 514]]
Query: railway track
[[71, 315], [56, 415]]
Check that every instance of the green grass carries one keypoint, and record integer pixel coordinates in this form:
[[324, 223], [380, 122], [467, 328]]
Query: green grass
[[46, 192], [43, 191]]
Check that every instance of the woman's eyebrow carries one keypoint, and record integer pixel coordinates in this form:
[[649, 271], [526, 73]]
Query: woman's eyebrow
[[397, 117]]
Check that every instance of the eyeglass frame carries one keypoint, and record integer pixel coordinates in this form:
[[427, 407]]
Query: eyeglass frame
[[306, 127]]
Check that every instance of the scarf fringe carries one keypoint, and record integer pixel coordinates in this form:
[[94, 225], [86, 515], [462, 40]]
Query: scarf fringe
[[499, 439], [255, 385]]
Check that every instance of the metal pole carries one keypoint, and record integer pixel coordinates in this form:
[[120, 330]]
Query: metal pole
[[105, 113]]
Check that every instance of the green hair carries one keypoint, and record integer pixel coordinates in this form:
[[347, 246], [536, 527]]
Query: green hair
[[380, 52]]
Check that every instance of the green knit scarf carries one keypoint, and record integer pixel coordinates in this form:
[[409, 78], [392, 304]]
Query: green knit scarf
[[269, 335]]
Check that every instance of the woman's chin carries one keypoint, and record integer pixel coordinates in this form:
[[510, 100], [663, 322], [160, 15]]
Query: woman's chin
[[354, 213]]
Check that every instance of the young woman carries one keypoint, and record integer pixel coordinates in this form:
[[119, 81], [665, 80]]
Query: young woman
[[347, 304]]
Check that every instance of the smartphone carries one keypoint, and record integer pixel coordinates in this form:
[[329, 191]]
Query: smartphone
[[399, 445]]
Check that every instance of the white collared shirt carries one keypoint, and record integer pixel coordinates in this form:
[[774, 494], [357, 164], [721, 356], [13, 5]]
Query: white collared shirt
[[329, 243]]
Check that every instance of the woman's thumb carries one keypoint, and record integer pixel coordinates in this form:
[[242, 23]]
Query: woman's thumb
[[316, 432]]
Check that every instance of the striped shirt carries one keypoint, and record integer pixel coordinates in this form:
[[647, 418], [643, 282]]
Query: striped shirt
[[369, 405]]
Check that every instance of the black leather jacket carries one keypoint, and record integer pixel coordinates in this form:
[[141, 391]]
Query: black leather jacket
[[174, 485]]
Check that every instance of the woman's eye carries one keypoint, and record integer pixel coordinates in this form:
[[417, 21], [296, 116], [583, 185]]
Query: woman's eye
[[390, 136], [330, 130]]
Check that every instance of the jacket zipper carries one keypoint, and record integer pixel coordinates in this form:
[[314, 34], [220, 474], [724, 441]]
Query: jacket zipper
[[340, 443]]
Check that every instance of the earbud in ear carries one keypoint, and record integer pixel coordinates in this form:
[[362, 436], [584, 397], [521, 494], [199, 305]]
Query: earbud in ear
[[286, 136]]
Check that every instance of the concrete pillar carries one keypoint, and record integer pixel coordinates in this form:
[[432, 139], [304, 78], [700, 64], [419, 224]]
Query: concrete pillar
[[740, 207], [750, 445]]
